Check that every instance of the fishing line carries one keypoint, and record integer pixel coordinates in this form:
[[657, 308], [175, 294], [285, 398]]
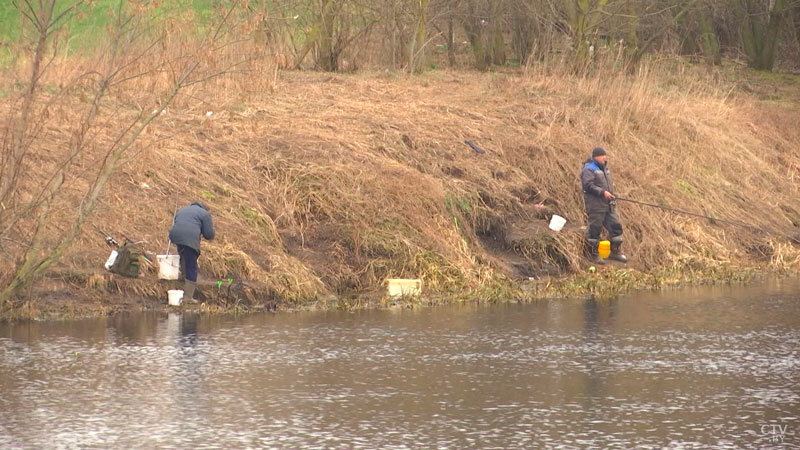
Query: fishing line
[[713, 219]]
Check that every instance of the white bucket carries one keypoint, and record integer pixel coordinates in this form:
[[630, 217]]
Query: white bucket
[[557, 223], [111, 259], [175, 297], [169, 267]]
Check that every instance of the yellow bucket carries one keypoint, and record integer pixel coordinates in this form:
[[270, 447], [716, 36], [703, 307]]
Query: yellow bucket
[[604, 249]]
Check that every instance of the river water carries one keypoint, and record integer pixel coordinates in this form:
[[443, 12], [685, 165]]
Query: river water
[[714, 367]]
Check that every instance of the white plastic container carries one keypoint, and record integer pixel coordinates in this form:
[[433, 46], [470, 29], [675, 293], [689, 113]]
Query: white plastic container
[[175, 297], [399, 287], [111, 259], [557, 223], [169, 267]]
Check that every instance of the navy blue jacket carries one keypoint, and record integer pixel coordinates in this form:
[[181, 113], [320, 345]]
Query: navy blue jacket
[[595, 180], [191, 222]]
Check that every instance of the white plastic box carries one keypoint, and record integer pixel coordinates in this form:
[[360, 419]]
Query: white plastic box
[[169, 267], [557, 223], [399, 287]]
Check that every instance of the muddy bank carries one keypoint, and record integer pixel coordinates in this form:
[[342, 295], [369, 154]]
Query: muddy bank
[[91, 295]]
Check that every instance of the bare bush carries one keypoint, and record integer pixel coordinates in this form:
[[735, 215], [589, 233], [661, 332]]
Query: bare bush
[[65, 135]]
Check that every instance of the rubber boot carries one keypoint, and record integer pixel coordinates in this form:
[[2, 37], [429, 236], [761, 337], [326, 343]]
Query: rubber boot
[[182, 273], [616, 250], [591, 249], [188, 291]]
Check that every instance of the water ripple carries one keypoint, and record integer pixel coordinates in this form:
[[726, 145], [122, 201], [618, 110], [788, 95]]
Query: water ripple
[[652, 371]]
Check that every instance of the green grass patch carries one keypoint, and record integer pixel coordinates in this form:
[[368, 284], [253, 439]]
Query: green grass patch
[[89, 25], [9, 21], [261, 224], [222, 190], [458, 207], [685, 186]]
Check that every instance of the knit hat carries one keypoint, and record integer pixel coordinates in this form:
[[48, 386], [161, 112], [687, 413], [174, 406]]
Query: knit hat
[[598, 151]]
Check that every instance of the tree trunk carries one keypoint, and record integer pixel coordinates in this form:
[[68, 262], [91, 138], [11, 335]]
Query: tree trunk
[[474, 28], [708, 37], [478, 49], [645, 46], [523, 32], [326, 58], [687, 32], [316, 36], [748, 34], [576, 13], [580, 14], [416, 52], [632, 35], [770, 42], [26, 272], [392, 21], [497, 45], [451, 41], [760, 43], [796, 19]]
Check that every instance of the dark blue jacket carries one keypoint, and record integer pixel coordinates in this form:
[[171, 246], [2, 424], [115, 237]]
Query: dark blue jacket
[[191, 222], [595, 180]]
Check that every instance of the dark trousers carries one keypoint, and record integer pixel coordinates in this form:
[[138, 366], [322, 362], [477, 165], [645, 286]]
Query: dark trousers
[[188, 262], [600, 220]]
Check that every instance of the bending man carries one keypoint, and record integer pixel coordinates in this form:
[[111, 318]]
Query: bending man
[[190, 223], [598, 194]]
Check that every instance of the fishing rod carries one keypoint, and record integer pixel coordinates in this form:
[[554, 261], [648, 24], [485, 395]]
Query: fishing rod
[[108, 238], [794, 239]]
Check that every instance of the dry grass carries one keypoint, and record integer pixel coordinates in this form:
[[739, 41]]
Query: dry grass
[[322, 183]]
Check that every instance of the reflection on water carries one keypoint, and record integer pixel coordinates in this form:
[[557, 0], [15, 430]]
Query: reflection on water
[[700, 368]]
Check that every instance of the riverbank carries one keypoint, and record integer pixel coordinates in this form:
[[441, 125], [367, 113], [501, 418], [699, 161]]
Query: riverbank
[[101, 296], [322, 186]]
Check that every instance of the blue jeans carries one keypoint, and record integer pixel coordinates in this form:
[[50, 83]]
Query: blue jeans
[[188, 262]]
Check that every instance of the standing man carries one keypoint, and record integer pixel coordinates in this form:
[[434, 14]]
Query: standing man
[[598, 194], [190, 223]]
